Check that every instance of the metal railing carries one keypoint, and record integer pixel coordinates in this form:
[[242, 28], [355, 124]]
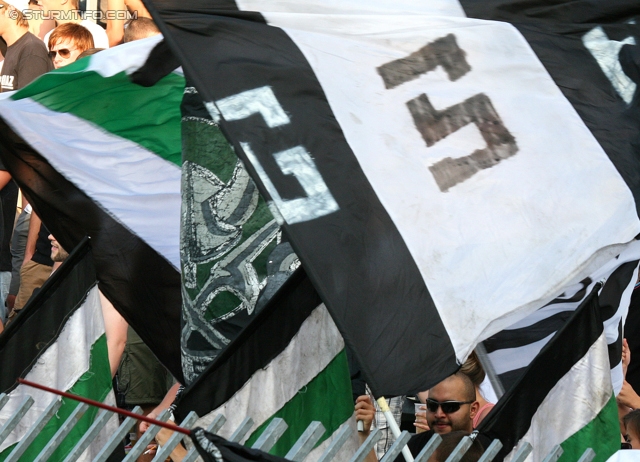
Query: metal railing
[[298, 452]]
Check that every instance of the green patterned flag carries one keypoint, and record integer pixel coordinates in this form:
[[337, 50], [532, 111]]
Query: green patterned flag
[[233, 254]]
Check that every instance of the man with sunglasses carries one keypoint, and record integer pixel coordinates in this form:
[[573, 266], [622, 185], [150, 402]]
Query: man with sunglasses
[[451, 406]]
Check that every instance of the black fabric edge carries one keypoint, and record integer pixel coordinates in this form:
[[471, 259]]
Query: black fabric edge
[[152, 304], [515, 338], [445, 363], [511, 418], [266, 336], [40, 322]]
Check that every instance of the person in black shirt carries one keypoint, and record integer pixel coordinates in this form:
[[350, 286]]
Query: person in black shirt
[[26, 57]]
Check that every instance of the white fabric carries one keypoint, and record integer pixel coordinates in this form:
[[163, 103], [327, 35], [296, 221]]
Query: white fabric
[[309, 352], [572, 403], [626, 455], [127, 57], [432, 7], [105, 166], [59, 367], [499, 245]]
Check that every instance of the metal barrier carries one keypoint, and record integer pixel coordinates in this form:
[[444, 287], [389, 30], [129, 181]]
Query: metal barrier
[[298, 452]]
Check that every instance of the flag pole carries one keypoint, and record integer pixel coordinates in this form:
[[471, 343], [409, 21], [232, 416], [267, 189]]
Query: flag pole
[[391, 421], [495, 381], [91, 402]]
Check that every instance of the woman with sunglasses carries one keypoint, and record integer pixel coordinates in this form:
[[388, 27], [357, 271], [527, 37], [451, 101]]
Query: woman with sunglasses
[[66, 42]]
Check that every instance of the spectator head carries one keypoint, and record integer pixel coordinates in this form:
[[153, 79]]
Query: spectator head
[[67, 41], [11, 14], [57, 252], [449, 443], [89, 52], [632, 427], [140, 28], [452, 405], [473, 369]]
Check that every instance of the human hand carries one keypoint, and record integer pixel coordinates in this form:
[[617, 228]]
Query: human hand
[[365, 412], [626, 357], [421, 419], [144, 426], [628, 397]]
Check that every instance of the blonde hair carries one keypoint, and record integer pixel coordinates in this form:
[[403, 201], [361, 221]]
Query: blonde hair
[[473, 369]]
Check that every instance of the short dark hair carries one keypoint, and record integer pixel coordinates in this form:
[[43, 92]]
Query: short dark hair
[[140, 28], [632, 422], [451, 440], [469, 387], [89, 52]]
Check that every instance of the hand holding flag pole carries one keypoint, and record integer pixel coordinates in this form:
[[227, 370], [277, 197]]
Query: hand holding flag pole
[[393, 425]]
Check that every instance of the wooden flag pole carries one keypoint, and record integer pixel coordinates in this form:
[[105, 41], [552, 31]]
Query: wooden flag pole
[[107, 407], [391, 421]]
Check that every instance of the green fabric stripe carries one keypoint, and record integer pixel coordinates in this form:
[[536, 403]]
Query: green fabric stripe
[[602, 434], [149, 116], [4, 454], [94, 384], [327, 398]]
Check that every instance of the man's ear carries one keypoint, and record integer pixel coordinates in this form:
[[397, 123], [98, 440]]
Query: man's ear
[[475, 406]]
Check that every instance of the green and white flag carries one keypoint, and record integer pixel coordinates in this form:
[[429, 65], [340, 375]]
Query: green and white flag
[[290, 362], [99, 155], [564, 398], [59, 341]]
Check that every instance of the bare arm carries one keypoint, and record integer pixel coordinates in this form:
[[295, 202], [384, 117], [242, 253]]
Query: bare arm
[[366, 412], [5, 177], [32, 237], [164, 404], [115, 27], [116, 332]]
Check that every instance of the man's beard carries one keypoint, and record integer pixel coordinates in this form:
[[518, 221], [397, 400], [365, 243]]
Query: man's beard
[[59, 256]]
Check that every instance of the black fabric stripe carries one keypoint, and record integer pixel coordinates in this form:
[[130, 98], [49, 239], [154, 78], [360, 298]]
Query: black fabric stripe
[[615, 349], [554, 29], [355, 257], [514, 338], [510, 378], [631, 329], [141, 284], [614, 287], [266, 336], [577, 297], [511, 418], [41, 320]]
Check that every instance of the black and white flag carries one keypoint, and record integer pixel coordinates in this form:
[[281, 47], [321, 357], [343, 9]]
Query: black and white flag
[[440, 176]]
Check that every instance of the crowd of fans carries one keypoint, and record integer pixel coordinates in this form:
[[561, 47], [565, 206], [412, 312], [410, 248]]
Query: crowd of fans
[[37, 37]]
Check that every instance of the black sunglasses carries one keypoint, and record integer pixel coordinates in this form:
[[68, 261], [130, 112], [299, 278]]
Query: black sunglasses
[[63, 52], [448, 407]]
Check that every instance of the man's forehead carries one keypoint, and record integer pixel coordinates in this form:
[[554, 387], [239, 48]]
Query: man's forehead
[[451, 388]]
